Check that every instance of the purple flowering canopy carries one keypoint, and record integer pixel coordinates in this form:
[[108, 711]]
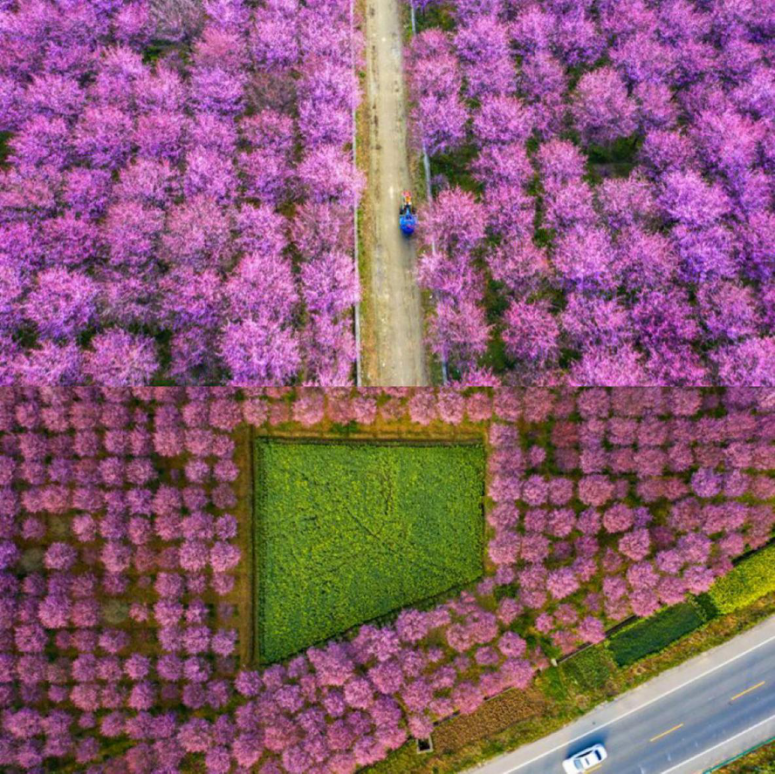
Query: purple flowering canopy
[[622, 152], [139, 183], [125, 632]]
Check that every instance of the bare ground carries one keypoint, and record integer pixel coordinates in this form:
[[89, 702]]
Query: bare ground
[[394, 317]]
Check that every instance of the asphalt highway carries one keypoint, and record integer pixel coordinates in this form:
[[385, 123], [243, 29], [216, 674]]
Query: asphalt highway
[[683, 722]]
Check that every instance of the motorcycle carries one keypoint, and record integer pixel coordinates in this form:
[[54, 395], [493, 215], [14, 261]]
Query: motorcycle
[[407, 215]]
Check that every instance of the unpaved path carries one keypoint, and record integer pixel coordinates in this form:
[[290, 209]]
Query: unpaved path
[[395, 308]]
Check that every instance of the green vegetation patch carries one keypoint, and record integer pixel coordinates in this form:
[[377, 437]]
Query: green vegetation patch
[[590, 670], [760, 760], [350, 532], [654, 634], [4, 147], [752, 578]]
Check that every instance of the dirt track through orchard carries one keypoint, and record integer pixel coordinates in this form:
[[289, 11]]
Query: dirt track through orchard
[[395, 312]]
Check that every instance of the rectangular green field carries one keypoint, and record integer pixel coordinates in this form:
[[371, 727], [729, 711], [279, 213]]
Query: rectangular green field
[[654, 634], [349, 532], [748, 581]]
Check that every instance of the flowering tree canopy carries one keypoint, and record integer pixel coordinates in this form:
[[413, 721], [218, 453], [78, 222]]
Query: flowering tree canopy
[[142, 182], [620, 153]]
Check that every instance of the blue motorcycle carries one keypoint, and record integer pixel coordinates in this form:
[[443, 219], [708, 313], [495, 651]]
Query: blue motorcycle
[[407, 215]]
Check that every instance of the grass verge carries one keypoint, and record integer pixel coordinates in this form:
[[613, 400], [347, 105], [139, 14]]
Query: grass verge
[[759, 761], [365, 216]]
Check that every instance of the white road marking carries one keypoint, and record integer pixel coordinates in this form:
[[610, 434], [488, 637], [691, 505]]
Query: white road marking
[[720, 744], [643, 706]]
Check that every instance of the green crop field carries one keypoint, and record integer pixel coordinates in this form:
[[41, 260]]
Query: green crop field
[[349, 532], [752, 578], [650, 635]]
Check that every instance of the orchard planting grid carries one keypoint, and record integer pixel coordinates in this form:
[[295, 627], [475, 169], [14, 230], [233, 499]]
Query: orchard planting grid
[[604, 183], [347, 532], [123, 564], [176, 192]]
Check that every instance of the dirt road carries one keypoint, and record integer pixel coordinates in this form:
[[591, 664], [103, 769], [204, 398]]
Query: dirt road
[[395, 313]]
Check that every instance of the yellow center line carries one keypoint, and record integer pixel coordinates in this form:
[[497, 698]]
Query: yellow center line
[[665, 733], [594, 768], [748, 690]]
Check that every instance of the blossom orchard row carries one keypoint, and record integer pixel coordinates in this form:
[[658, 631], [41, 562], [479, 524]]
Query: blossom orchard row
[[115, 568], [119, 550], [176, 200], [620, 190]]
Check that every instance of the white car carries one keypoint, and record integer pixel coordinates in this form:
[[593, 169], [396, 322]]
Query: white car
[[585, 760]]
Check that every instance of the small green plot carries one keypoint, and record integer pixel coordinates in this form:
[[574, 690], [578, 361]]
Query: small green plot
[[349, 532], [651, 635]]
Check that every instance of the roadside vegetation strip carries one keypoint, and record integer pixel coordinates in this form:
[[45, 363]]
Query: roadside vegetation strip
[[349, 532], [589, 670], [600, 672], [364, 246], [650, 635], [749, 580], [356, 37], [758, 760], [495, 715], [567, 701]]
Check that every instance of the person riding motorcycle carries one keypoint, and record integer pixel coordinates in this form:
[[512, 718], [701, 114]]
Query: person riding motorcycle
[[407, 215], [407, 207]]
